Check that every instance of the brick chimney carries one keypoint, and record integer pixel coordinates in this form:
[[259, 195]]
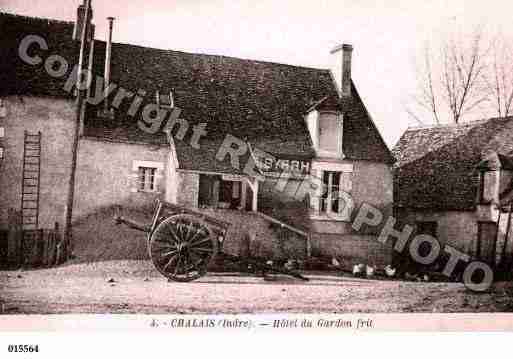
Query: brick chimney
[[342, 71], [79, 23]]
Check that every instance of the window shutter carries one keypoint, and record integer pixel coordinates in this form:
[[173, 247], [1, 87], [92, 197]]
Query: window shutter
[[158, 180], [135, 180], [346, 182]]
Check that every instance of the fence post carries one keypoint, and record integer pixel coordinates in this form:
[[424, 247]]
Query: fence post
[[40, 248], [61, 244], [57, 240], [14, 238], [52, 246]]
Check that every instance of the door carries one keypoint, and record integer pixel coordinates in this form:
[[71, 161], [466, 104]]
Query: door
[[486, 241]]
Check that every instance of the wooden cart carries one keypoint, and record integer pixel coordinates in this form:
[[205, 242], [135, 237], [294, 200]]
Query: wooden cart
[[182, 243]]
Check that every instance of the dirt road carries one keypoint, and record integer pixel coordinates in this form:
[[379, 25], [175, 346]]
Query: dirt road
[[135, 287]]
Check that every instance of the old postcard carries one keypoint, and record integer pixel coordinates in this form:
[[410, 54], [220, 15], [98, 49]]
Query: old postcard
[[255, 166]]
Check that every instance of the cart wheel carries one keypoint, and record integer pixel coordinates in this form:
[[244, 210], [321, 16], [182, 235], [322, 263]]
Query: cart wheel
[[181, 247]]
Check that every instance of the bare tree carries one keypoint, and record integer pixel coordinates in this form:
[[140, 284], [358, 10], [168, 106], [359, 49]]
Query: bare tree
[[499, 80], [427, 97], [451, 80]]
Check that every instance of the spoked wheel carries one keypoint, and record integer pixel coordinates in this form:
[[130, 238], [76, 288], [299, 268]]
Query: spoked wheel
[[181, 247]]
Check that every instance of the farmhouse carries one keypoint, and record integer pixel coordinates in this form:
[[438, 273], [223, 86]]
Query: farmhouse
[[455, 182], [183, 127]]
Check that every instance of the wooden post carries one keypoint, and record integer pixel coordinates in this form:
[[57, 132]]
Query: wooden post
[[308, 246], [506, 237], [37, 250], [79, 114], [52, 257], [51, 249], [244, 189], [255, 196], [254, 189]]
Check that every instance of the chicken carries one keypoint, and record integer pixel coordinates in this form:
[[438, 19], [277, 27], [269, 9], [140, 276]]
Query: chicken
[[358, 270], [390, 271], [369, 271]]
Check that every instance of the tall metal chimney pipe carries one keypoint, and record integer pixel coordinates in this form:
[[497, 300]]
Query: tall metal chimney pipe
[[108, 54]]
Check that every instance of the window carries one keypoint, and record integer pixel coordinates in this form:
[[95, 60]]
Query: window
[[147, 179], [330, 200], [164, 100], [146, 176], [428, 227], [3, 109]]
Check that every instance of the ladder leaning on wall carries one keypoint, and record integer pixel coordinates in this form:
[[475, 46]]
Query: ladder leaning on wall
[[30, 180]]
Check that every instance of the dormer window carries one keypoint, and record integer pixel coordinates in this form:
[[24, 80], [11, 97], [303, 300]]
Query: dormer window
[[487, 186], [326, 132], [495, 178], [330, 134], [165, 100], [3, 109], [324, 120]]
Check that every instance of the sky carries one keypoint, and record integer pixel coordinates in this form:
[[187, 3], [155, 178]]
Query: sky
[[387, 36]]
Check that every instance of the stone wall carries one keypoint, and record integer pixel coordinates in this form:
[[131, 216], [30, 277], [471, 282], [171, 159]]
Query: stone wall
[[106, 175], [267, 242], [455, 228], [371, 184], [55, 119], [283, 205], [188, 189]]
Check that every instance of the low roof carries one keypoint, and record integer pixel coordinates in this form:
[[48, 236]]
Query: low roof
[[437, 167], [261, 102]]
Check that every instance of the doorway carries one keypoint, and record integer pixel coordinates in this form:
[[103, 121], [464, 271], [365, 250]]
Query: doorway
[[486, 242]]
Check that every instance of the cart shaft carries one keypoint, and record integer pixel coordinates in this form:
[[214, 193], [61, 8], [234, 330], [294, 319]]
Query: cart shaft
[[132, 224]]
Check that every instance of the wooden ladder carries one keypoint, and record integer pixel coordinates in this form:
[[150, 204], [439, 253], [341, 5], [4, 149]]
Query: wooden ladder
[[30, 182]]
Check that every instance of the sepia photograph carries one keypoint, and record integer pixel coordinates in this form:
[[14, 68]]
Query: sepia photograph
[[316, 163]]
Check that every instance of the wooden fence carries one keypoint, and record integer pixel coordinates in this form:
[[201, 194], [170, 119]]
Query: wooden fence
[[31, 248]]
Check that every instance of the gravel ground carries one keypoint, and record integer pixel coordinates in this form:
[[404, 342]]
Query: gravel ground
[[135, 287]]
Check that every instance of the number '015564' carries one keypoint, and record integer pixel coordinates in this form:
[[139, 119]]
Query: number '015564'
[[23, 348]]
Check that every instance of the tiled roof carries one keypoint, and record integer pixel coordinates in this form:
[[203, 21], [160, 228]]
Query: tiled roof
[[242, 97], [328, 103], [18, 77], [361, 138], [261, 102], [436, 167]]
